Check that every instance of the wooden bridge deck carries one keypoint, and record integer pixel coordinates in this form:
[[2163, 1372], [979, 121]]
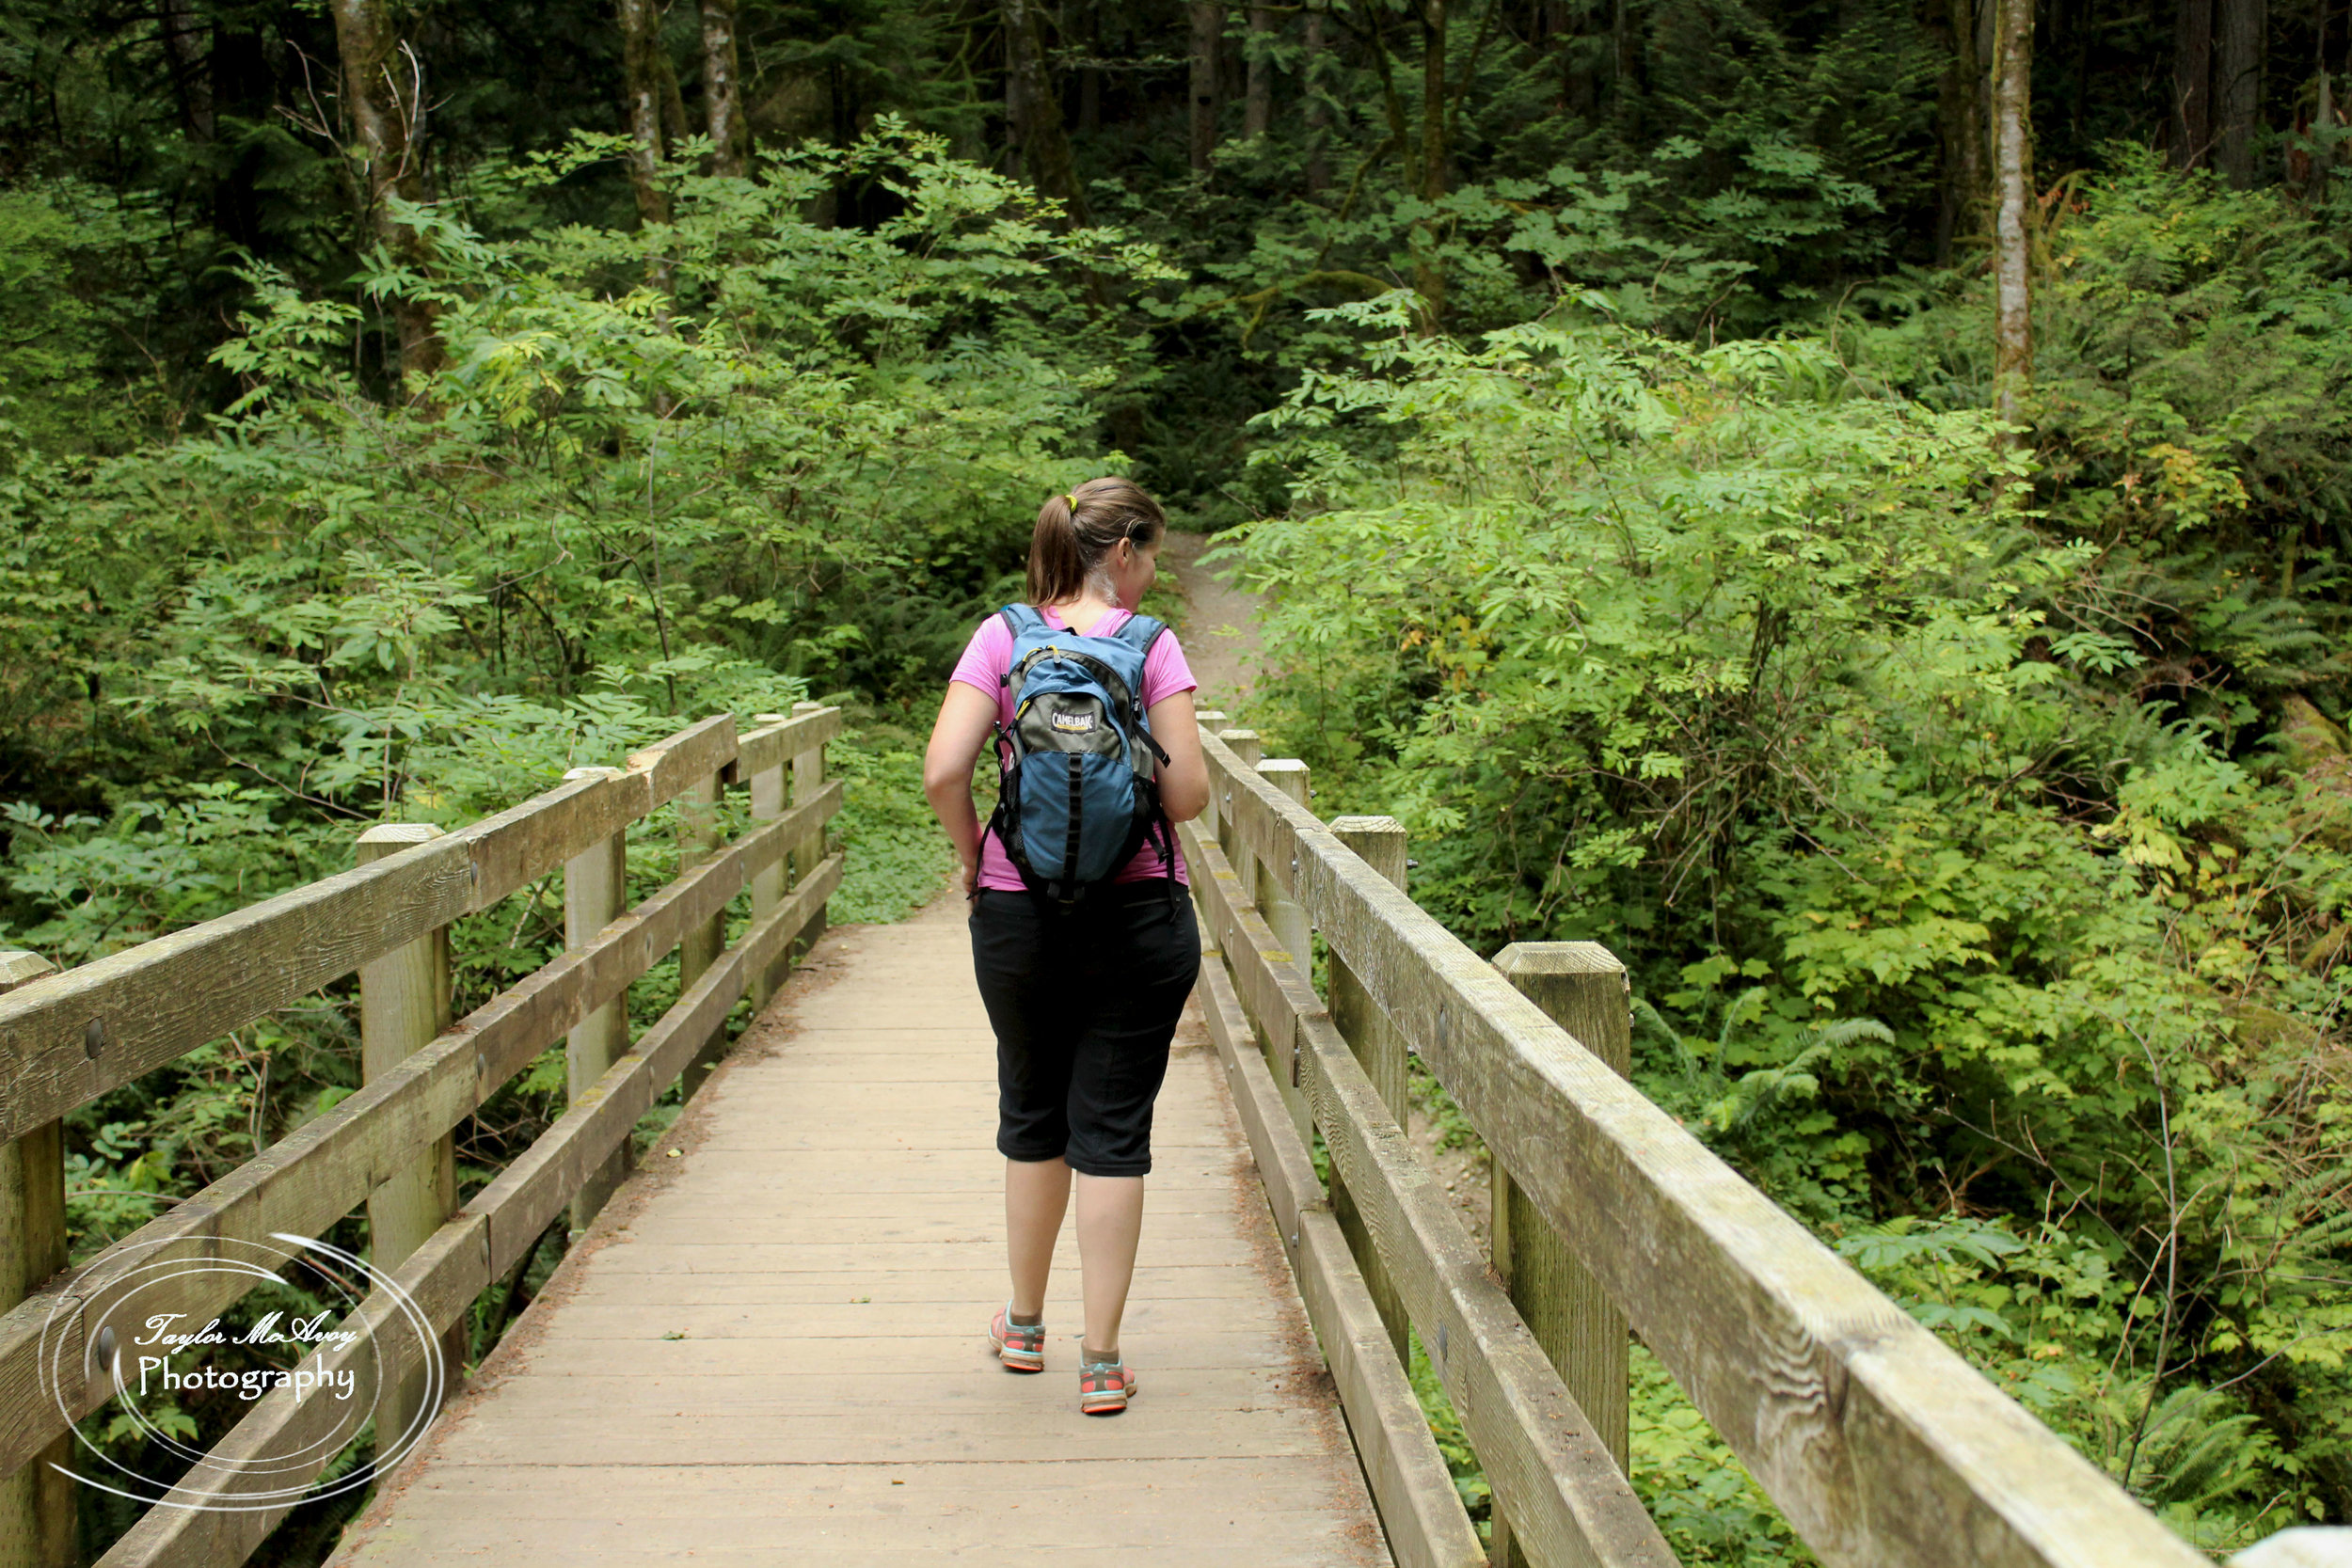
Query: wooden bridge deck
[[770, 1347]]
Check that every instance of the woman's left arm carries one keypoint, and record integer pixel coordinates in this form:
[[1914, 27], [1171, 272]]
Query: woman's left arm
[[966, 715], [1185, 782]]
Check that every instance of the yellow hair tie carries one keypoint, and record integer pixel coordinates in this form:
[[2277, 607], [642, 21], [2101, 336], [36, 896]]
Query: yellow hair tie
[[1070, 499]]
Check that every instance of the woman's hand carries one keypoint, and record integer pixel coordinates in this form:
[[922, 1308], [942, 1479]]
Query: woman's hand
[[970, 875]]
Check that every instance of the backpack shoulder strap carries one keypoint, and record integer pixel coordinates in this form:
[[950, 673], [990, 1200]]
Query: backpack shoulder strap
[[1139, 632], [1018, 617]]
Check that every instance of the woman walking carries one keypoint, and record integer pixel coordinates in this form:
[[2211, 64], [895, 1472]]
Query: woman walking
[[1084, 958]]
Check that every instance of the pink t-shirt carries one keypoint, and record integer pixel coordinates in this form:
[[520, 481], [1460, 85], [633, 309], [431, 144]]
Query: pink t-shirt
[[988, 659]]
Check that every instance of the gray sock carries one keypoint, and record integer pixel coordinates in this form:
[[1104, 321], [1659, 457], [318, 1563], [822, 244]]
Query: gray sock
[[1017, 1321], [1085, 1353]]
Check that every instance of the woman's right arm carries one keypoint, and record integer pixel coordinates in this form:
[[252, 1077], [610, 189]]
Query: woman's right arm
[[965, 717]]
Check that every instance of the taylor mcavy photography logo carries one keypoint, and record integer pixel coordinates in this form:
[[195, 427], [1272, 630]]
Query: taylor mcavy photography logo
[[158, 1334]]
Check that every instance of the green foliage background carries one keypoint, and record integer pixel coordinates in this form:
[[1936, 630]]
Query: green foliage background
[[1969, 803]]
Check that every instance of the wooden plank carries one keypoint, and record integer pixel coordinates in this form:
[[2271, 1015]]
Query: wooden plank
[[316, 1174], [765, 786], [1581, 987], [484, 1239], [1244, 748], [698, 838], [523, 1491], [68, 1038], [1882, 1445], [403, 1007], [1380, 840], [1410, 1484], [688, 757], [775, 743], [39, 1525], [1570, 1502], [808, 779], [596, 893]]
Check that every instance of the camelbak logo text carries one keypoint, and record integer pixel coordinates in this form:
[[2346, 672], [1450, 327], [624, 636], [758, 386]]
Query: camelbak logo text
[[1074, 724]]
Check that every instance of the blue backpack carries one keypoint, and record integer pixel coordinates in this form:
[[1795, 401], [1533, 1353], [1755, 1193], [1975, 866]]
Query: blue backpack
[[1079, 794]]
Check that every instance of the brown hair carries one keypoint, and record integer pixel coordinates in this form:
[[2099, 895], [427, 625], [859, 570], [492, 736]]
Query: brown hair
[[1078, 530]]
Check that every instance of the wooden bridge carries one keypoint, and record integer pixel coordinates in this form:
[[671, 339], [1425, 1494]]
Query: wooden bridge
[[765, 1345]]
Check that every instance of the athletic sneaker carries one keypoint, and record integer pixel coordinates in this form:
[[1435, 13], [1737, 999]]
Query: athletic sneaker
[[1104, 1388], [1021, 1350]]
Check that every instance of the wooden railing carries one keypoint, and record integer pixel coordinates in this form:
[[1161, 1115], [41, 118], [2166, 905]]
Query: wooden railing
[[1882, 1447], [66, 1038]]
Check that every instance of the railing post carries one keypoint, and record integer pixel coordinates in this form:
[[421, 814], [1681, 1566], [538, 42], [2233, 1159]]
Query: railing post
[[404, 1002], [1380, 841], [37, 1524], [767, 791], [595, 892], [1245, 746], [808, 778], [1289, 924], [1582, 988], [1210, 720], [1288, 775], [698, 838]]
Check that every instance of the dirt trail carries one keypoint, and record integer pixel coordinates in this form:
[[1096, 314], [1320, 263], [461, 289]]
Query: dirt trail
[[1221, 641]]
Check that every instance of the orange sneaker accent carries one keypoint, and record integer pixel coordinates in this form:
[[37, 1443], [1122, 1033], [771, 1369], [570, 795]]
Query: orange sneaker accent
[[1021, 1350], [1104, 1388]]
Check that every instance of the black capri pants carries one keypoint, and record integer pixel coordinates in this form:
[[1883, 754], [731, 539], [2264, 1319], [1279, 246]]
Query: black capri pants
[[1084, 1003]]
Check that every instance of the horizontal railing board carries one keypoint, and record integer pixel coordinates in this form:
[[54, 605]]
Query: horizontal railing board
[[463, 1257], [322, 1171], [1419, 1509], [776, 745], [1879, 1442], [694, 753], [1566, 1499], [69, 1038]]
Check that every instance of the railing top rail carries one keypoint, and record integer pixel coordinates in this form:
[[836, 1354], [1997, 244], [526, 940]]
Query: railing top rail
[[1882, 1445], [71, 1037]]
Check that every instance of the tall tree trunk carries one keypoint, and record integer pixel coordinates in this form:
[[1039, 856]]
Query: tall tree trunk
[[1090, 75], [2012, 110], [2192, 84], [722, 112], [1208, 30], [1960, 112], [1014, 25], [2237, 85], [1578, 57], [184, 42], [381, 93], [1258, 99], [1621, 62], [1044, 139], [641, 46], [673, 127], [1318, 117], [2328, 115], [1429, 273], [1433, 100]]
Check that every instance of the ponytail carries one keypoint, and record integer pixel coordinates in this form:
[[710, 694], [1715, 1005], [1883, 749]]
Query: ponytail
[[1077, 531]]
